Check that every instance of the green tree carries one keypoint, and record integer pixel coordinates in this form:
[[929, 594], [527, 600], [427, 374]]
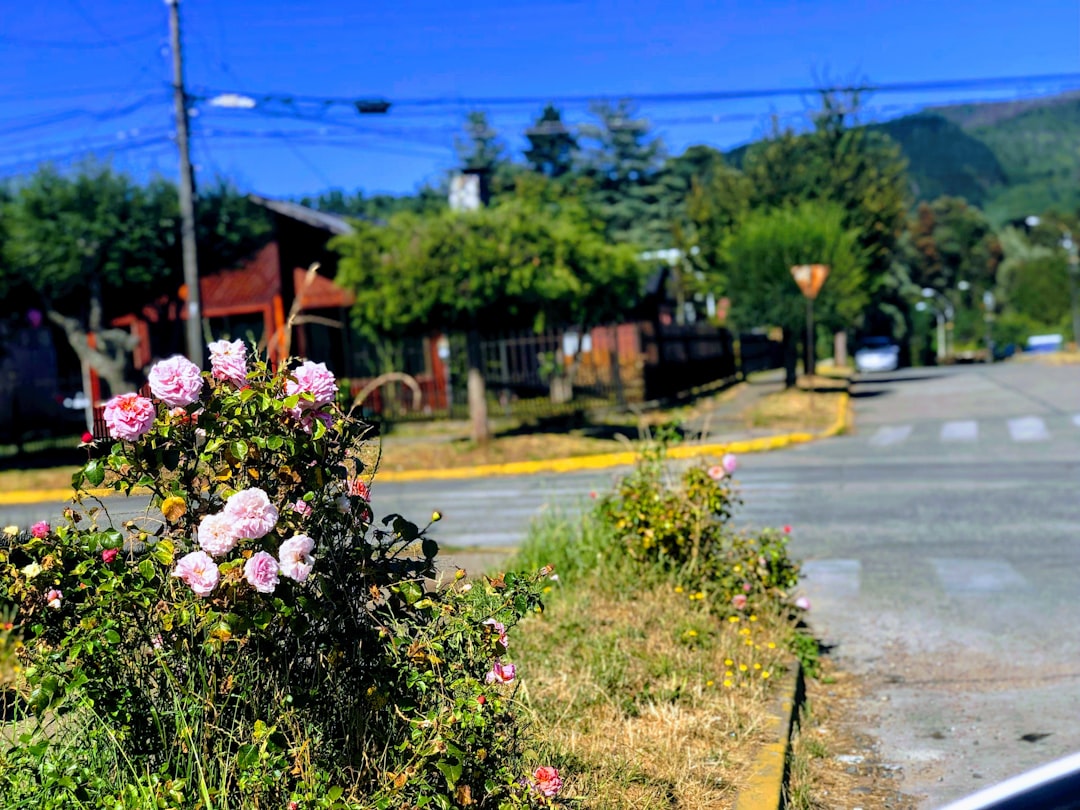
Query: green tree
[[761, 253], [624, 168], [517, 264], [85, 247], [552, 146]]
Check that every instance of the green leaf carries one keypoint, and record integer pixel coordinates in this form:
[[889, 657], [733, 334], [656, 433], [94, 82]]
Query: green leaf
[[112, 636], [239, 449], [164, 551], [291, 402], [247, 394], [334, 793], [247, 757], [411, 592], [274, 442], [430, 547], [147, 570], [94, 472], [451, 769]]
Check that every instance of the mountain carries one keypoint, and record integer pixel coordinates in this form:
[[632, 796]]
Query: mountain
[[1011, 159]]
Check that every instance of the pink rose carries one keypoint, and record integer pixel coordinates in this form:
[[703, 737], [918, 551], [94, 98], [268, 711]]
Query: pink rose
[[294, 557], [746, 587], [738, 601], [501, 673], [228, 361], [302, 508], [546, 781], [53, 598], [176, 381], [251, 512], [109, 554], [199, 571], [261, 570], [308, 418], [729, 463], [716, 472], [802, 603], [359, 488], [40, 529], [498, 629], [129, 416], [787, 529], [311, 378], [217, 534], [87, 437]]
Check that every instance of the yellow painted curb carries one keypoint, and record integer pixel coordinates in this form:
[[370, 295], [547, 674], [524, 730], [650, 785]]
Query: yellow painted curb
[[556, 465], [27, 496], [765, 787]]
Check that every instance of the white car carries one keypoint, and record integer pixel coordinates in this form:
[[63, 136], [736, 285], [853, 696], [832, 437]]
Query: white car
[[877, 354]]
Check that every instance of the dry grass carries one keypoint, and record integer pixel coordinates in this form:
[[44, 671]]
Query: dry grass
[[833, 764], [438, 455], [629, 693], [793, 409]]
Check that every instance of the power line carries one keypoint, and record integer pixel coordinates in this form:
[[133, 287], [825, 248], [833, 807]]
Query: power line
[[935, 85]]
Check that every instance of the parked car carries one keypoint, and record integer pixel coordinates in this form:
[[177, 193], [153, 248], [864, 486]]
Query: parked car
[[877, 354]]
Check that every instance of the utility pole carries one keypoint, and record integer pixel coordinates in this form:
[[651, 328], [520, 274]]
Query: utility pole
[[187, 194]]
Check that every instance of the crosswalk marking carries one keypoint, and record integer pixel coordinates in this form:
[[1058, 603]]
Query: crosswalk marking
[[893, 434], [1028, 429], [964, 576], [1076, 419], [963, 431]]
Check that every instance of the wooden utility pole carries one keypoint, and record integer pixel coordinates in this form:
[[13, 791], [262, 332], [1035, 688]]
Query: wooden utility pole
[[187, 194]]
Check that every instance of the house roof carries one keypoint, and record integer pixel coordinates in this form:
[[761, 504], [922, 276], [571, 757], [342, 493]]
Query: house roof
[[301, 213]]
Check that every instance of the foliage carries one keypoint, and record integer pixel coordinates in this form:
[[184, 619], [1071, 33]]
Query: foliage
[[357, 682], [768, 242], [1032, 286], [512, 265], [623, 162], [681, 527], [552, 146]]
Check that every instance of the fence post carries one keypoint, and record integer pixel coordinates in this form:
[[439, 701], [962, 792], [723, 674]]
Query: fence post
[[616, 373]]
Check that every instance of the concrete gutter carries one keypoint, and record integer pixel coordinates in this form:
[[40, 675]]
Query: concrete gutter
[[765, 788], [558, 465]]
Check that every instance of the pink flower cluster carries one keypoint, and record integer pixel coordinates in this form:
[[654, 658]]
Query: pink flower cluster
[[129, 416], [177, 381], [248, 515], [727, 466], [316, 380], [546, 781], [499, 672], [228, 361], [40, 529]]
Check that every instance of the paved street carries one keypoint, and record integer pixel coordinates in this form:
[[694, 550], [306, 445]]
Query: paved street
[[941, 552]]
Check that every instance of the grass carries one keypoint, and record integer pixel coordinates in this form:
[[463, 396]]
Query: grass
[[794, 409], [641, 695]]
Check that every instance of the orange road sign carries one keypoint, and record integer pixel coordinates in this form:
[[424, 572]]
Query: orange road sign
[[810, 277]]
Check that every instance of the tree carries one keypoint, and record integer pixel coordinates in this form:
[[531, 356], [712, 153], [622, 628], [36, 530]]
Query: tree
[[85, 247], [513, 265], [860, 169], [552, 146], [761, 253], [624, 169]]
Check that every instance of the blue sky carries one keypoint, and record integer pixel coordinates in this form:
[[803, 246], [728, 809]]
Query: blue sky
[[83, 75]]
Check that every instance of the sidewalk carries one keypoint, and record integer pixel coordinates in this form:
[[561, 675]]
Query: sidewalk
[[724, 421]]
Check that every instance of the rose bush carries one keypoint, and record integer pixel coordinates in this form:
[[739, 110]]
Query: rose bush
[[254, 638]]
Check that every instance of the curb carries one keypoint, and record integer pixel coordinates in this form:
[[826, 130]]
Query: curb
[[764, 789], [558, 465]]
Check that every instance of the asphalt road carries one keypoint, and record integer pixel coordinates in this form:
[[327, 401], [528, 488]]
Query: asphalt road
[[941, 558]]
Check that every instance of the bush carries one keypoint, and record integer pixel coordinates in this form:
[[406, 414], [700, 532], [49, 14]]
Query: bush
[[254, 639]]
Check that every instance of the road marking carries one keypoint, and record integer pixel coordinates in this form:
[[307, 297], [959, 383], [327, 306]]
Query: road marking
[[834, 579], [893, 434], [965, 431], [964, 577], [1028, 429], [1076, 419]]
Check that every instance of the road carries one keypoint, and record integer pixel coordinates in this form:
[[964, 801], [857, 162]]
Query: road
[[941, 558]]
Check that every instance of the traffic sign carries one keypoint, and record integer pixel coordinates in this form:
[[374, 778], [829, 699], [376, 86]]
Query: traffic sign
[[810, 277]]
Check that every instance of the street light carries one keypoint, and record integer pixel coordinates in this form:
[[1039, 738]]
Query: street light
[[929, 292], [1074, 266]]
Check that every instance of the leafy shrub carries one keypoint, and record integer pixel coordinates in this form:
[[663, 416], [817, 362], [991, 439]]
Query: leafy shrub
[[255, 639]]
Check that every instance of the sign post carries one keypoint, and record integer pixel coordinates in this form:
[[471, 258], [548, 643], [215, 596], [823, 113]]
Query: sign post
[[810, 277]]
